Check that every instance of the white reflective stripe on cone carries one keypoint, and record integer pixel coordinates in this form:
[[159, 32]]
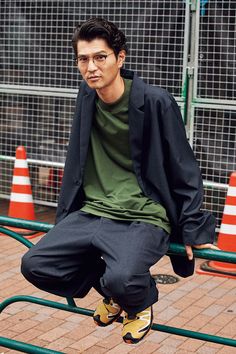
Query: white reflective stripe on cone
[[22, 180], [231, 191], [229, 210], [21, 197], [20, 163], [228, 229]]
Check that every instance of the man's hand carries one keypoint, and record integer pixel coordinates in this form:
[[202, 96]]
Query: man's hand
[[189, 249]]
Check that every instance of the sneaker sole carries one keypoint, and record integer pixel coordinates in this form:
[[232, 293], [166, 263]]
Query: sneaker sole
[[102, 324], [130, 340]]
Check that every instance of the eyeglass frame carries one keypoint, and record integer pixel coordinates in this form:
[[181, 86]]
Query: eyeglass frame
[[105, 55]]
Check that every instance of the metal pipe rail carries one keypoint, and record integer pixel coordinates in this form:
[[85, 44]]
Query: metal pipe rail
[[71, 306], [177, 249]]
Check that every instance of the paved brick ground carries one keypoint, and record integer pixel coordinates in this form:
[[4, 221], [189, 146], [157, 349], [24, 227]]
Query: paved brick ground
[[199, 303]]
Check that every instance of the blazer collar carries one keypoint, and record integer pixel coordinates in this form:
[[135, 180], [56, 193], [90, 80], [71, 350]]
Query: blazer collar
[[137, 90], [87, 113], [136, 122]]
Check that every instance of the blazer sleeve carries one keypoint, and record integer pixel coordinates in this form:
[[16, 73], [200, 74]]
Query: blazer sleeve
[[195, 225]]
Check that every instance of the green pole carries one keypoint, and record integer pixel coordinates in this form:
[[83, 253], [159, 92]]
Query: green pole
[[177, 249], [24, 347], [86, 312], [16, 236]]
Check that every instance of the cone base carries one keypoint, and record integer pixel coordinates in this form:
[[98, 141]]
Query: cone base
[[22, 214], [206, 269], [223, 267]]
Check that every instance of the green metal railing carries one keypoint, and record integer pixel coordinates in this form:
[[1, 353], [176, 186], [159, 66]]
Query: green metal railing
[[222, 256]]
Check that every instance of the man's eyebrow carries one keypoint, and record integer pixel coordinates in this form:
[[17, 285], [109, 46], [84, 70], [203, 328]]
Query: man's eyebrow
[[96, 53]]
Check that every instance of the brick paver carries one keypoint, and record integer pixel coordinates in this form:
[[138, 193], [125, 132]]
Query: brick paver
[[200, 302]]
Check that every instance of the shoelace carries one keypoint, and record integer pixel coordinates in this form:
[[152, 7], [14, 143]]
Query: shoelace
[[145, 316], [112, 304]]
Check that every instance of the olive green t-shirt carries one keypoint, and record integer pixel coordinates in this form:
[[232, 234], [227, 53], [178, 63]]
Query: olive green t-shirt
[[110, 185]]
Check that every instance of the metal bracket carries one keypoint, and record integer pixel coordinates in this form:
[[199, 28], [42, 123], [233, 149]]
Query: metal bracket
[[193, 6], [190, 71]]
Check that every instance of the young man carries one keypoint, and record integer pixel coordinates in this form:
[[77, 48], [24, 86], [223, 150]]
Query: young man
[[130, 180]]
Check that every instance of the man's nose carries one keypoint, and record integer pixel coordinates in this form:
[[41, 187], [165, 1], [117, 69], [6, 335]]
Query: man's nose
[[91, 65]]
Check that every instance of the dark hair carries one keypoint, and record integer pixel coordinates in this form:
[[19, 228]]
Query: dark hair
[[100, 28]]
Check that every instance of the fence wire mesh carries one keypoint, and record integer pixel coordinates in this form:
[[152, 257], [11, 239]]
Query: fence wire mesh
[[36, 40], [214, 145], [45, 181], [42, 125], [36, 53], [215, 142], [217, 50]]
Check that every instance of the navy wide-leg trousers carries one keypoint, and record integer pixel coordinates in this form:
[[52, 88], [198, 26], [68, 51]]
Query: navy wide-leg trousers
[[84, 251]]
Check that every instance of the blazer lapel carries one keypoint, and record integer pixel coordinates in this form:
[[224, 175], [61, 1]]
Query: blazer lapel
[[87, 113], [136, 124]]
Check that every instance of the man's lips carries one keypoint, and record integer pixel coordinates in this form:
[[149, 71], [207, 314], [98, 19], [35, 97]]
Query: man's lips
[[93, 78]]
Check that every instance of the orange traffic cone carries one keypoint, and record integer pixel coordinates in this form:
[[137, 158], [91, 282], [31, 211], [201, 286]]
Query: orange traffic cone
[[21, 201], [226, 237]]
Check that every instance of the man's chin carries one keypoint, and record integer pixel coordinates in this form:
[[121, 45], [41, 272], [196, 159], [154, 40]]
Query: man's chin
[[94, 85]]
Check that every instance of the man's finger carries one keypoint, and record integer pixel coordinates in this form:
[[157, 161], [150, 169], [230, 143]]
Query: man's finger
[[189, 252], [206, 245]]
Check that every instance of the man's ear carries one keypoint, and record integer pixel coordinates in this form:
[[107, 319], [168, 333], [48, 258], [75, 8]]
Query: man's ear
[[121, 58]]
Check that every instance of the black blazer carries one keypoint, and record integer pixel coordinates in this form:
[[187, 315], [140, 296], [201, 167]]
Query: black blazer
[[163, 162]]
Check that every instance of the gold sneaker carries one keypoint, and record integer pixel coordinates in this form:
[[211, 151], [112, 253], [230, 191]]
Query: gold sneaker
[[106, 312], [137, 326]]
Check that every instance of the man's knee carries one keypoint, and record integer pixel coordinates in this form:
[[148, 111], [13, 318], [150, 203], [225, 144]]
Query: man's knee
[[30, 266], [122, 283], [46, 275]]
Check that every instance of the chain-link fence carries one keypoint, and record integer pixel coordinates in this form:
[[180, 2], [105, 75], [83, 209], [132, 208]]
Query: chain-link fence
[[37, 73], [214, 98], [36, 40], [216, 49], [39, 83]]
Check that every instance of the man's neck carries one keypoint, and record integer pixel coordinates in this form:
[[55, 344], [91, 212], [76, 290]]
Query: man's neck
[[113, 92]]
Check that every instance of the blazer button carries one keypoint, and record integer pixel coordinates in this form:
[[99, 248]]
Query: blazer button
[[64, 210], [77, 182]]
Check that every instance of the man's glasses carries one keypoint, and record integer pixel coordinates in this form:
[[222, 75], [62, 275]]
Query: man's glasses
[[98, 59]]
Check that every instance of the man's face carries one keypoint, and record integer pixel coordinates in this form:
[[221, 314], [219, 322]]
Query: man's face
[[98, 64]]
